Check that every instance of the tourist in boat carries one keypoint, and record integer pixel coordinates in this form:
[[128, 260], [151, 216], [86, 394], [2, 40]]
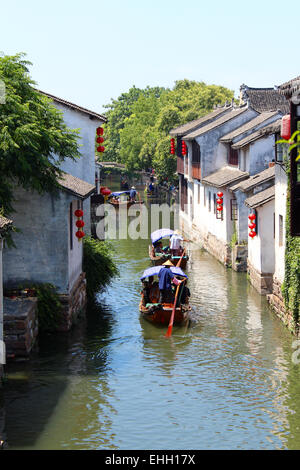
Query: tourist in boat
[[132, 194], [165, 280], [175, 244]]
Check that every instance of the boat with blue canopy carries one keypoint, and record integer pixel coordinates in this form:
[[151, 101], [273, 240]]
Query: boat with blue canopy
[[122, 198], [159, 254], [160, 313]]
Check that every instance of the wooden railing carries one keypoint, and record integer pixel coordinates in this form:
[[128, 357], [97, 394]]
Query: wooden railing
[[196, 171]]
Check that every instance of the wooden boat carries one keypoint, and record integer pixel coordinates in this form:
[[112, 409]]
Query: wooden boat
[[159, 259], [160, 313], [117, 199]]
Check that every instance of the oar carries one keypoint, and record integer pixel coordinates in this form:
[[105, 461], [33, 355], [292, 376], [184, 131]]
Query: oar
[[179, 262], [170, 327]]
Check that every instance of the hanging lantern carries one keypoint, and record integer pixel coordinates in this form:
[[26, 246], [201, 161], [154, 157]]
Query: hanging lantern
[[99, 131], [173, 146], [100, 149], [106, 192], [286, 127], [220, 201], [80, 234], [252, 225], [80, 224], [100, 140], [78, 213], [183, 148]]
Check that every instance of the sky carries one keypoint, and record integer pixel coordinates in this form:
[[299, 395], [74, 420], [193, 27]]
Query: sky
[[90, 51]]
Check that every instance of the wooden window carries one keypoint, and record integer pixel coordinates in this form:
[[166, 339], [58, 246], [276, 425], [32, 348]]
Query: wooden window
[[233, 156], [209, 201], [234, 209]]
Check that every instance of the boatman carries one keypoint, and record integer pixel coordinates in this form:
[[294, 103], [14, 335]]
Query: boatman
[[165, 279], [175, 243], [132, 194]]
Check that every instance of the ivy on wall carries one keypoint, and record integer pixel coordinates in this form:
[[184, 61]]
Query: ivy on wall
[[291, 285]]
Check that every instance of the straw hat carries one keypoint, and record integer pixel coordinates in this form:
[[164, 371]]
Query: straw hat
[[168, 263]]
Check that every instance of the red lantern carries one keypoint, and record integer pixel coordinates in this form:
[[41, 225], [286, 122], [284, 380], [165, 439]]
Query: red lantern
[[220, 194], [100, 140], [106, 192], [99, 131], [252, 234], [219, 201], [100, 149], [79, 223], [286, 127], [79, 213], [173, 146], [79, 234], [251, 216], [183, 148], [219, 208], [252, 226]]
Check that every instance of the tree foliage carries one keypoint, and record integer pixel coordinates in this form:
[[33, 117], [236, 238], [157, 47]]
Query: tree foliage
[[33, 136], [139, 122]]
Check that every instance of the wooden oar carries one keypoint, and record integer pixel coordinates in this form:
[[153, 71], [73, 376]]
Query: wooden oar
[[170, 327], [179, 262]]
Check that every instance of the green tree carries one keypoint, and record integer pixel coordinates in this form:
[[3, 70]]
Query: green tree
[[138, 134], [34, 139]]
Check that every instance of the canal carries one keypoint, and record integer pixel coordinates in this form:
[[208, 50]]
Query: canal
[[115, 382]]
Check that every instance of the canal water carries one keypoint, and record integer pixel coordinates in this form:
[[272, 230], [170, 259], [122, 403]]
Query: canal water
[[115, 382]]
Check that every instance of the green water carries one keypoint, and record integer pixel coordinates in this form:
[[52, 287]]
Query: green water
[[115, 382]]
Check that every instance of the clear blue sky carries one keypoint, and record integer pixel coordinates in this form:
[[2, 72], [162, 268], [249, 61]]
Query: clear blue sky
[[89, 51]]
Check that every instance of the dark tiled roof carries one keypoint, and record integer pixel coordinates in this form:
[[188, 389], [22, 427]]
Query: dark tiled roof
[[4, 224], [225, 176], [252, 181], [192, 125], [264, 99], [248, 126], [76, 186], [234, 112], [261, 198], [262, 132], [100, 117], [290, 87]]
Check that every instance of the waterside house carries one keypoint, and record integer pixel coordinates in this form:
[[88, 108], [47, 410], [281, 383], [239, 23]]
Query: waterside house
[[78, 117], [47, 248], [214, 162]]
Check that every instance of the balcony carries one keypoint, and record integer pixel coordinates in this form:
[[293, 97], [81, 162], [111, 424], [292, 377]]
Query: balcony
[[180, 165], [196, 171]]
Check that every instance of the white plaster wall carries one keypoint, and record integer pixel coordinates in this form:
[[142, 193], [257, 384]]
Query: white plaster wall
[[41, 253], [262, 151], [205, 220], [84, 167], [213, 155], [261, 249], [280, 209]]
